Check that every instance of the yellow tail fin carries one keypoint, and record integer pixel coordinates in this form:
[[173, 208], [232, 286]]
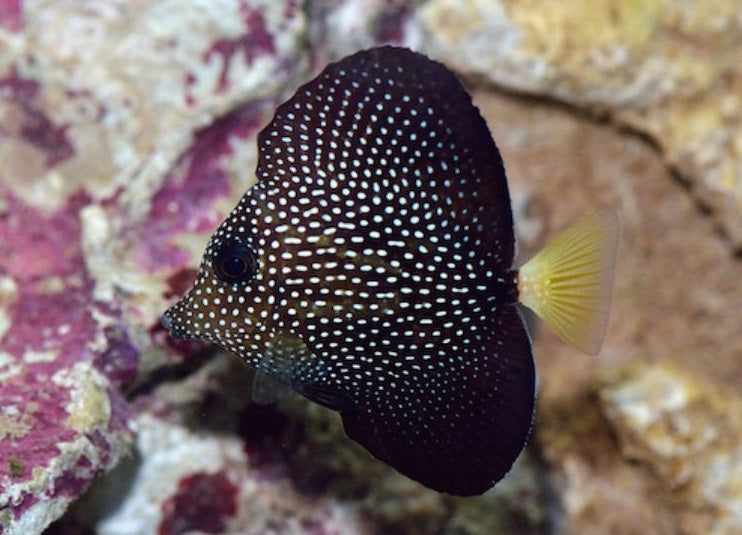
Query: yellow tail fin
[[568, 284]]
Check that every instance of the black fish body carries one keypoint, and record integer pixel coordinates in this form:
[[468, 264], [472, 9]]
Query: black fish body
[[370, 269]]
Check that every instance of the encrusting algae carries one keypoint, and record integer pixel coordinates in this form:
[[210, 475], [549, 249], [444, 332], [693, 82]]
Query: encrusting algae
[[370, 269]]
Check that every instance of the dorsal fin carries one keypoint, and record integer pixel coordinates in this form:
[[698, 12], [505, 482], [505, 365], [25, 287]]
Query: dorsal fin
[[413, 126]]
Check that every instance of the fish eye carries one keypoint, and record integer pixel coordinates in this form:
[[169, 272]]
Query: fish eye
[[234, 262]]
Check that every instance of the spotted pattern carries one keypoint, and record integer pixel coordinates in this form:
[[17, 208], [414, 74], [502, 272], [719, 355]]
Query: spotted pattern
[[382, 237]]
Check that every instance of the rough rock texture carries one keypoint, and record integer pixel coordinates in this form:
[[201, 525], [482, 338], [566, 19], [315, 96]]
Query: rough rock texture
[[126, 133], [208, 459], [663, 309], [109, 111], [688, 436], [667, 69]]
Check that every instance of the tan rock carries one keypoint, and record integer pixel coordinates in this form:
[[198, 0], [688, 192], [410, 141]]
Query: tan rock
[[561, 167], [688, 433], [668, 69]]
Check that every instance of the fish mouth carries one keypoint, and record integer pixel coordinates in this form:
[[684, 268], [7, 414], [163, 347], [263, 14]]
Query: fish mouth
[[175, 328]]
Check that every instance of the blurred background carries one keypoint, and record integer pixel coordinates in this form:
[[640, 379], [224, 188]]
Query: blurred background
[[127, 132]]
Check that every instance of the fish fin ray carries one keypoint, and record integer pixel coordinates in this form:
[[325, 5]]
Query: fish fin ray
[[568, 284], [328, 396]]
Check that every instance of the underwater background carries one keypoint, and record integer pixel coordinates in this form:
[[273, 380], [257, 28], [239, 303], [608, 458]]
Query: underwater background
[[127, 132]]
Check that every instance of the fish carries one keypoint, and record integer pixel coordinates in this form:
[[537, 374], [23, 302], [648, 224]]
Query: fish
[[370, 269]]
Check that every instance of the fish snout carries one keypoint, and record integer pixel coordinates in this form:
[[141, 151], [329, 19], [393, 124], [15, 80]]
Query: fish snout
[[174, 327], [166, 321]]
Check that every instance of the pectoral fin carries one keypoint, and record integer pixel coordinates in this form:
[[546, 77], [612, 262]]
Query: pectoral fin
[[288, 363], [267, 390]]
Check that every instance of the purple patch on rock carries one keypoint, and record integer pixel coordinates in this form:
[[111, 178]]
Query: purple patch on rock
[[180, 281], [188, 82], [73, 481], [11, 15], [52, 326], [388, 26], [36, 128], [25, 501], [34, 244], [291, 9], [39, 425], [99, 439], [185, 203], [257, 40], [42, 253], [59, 322], [39, 131], [120, 360], [201, 503], [315, 526], [14, 87]]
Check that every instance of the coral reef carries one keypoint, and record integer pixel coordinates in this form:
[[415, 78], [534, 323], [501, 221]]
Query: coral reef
[[127, 132]]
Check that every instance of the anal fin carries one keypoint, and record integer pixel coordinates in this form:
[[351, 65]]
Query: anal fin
[[458, 432]]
